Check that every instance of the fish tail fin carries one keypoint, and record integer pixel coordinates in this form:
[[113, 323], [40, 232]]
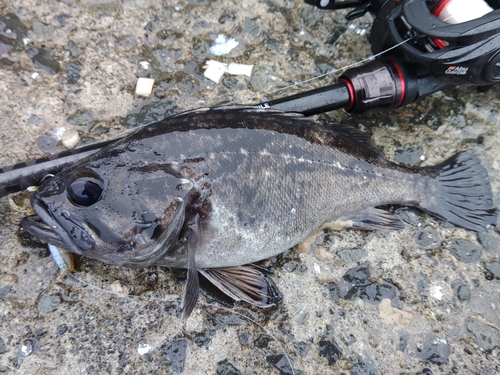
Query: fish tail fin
[[460, 192]]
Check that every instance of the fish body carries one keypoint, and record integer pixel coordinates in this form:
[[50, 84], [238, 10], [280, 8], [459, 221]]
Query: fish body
[[215, 189]]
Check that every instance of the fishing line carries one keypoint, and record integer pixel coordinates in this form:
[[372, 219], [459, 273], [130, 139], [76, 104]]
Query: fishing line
[[367, 59]]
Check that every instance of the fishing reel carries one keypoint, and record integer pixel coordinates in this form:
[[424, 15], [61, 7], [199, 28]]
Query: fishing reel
[[433, 44]]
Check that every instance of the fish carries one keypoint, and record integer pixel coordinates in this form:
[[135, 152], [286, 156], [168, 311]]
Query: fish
[[216, 190]]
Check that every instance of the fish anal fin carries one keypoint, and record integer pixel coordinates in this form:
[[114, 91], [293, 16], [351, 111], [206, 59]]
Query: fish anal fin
[[374, 219], [244, 283]]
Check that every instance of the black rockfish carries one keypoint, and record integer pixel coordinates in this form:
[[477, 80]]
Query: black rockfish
[[213, 190]]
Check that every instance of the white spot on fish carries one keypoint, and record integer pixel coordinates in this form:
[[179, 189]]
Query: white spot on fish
[[243, 151], [293, 210]]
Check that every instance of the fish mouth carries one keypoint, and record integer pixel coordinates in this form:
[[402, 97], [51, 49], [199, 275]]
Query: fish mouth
[[44, 226]]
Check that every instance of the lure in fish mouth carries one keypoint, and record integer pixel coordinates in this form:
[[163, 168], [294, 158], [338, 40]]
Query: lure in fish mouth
[[215, 190], [44, 226]]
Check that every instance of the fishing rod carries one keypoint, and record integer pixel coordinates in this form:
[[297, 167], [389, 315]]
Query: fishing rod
[[420, 47]]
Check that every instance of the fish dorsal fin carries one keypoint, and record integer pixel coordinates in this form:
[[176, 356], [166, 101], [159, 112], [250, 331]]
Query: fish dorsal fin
[[345, 137], [355, 135], [244, 283], [342, 137]]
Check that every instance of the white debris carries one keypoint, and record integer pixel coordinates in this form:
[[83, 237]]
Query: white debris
[[437, 341], [214, 70], [223, 45], [144, 65], [59, 132], [70, 138], [144, 87], [144, 348], [436, 292], [317, 268], [26, 349], [240, 69], [117, 288]]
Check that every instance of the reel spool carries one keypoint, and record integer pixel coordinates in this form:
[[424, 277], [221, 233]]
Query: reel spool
[[458, 11]]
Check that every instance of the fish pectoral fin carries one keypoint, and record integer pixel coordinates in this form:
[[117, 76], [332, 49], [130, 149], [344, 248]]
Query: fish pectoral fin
[[374, 219], [244, 283], [192, 289]]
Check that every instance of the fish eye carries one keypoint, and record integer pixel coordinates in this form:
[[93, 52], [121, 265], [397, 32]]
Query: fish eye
[[85, 191]]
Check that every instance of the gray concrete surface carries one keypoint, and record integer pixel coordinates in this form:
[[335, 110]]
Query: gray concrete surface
[[425, 299]]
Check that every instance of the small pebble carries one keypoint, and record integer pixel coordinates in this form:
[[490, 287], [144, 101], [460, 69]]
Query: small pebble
[[428, 238], [321, 254], [70, 138], [435, 350], [48, 303], [465, 251], [227, 368], [118, 288]]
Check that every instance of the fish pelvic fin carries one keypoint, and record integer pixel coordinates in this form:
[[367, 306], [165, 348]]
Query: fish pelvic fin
[[192, 290], [244, 283], [460, 192]]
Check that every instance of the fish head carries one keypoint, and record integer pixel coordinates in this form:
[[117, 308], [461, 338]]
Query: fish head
[[111, 212]]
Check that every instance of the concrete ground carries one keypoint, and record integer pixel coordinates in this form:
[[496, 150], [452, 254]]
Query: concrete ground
[[423, 300]]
